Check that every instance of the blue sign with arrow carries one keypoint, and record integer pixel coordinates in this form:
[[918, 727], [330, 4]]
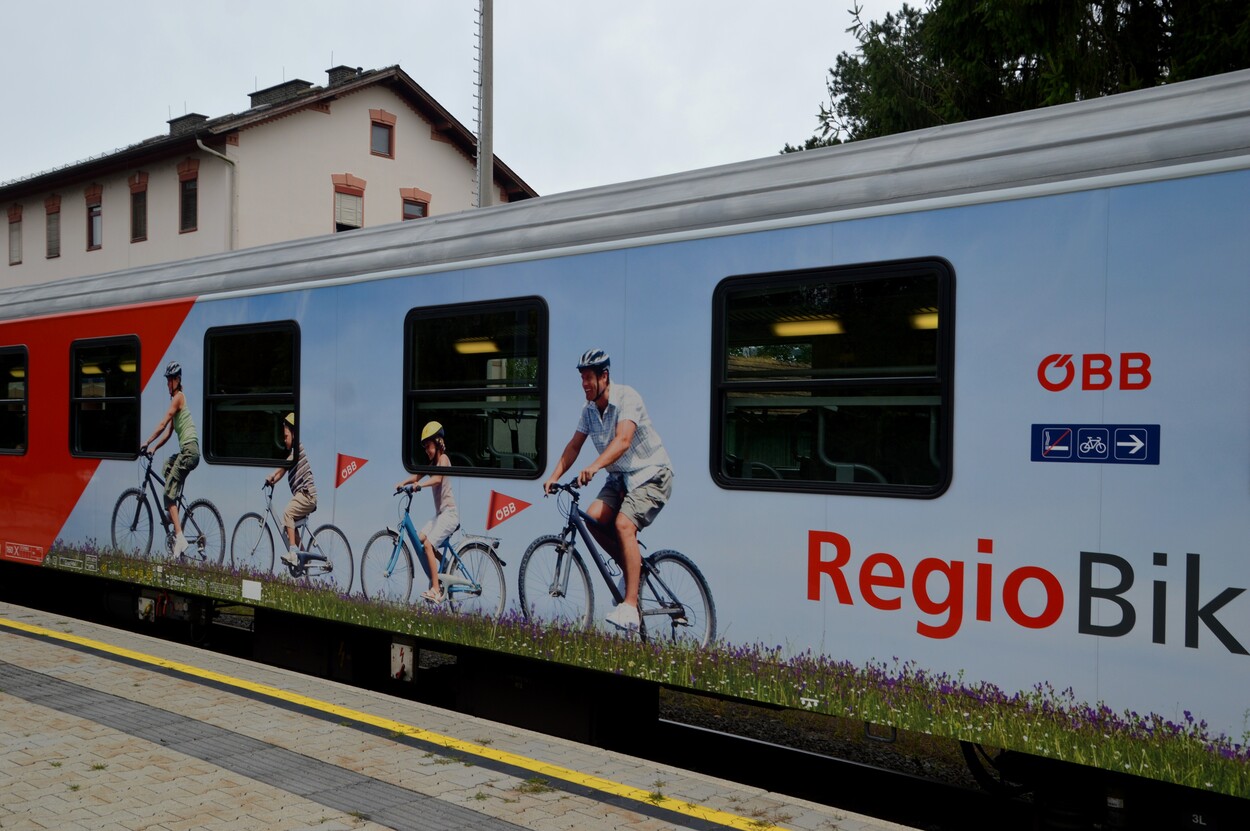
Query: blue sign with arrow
[[1116, 444]]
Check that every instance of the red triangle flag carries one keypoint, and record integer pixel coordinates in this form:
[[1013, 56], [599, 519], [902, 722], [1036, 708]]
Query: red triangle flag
[[347, 467], [503, 508]]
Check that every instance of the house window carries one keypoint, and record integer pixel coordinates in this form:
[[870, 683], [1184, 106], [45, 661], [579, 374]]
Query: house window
[[15, 235], [139, 216], [349, 212], [52, 206], [188, 201], [104, 397], [95, 217], [138, 206], [416, 203], [349, 201], [251, 384], [13, 366], [188, 204], [382, 133], [414, 209], [837, 380], [480, 371]]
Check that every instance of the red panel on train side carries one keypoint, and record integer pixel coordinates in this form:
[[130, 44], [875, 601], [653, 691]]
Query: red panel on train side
[[39, 489]]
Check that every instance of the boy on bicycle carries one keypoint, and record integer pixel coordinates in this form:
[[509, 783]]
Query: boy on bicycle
[[640, 475], [446, 517], [303, 491], [178, 420]]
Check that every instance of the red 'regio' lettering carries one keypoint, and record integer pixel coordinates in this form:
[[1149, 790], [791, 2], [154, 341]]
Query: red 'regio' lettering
[[952, 605], [1054, 597], [869, 581], [832, 568], [938, 587]]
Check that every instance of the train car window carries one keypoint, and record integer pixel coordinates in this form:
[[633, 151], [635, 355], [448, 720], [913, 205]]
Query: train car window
[[104, 398], [837, 380], [13, 398], [479, 371], [251, 384]]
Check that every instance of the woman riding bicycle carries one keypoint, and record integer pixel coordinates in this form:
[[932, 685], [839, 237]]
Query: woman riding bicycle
[[177, 420], [446, 518]]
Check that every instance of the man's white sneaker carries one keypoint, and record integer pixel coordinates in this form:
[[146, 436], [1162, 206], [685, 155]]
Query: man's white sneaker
[[291, 557], [180, 545], [624, 617]]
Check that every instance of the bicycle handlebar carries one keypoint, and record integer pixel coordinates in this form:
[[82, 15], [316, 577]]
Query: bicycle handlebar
[[408, 489]]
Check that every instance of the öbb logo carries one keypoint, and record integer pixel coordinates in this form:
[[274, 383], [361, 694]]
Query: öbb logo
[[1057, 372]]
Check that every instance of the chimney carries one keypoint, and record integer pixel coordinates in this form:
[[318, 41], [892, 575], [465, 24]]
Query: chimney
[[184, 124], [282, 92], [342, 74]]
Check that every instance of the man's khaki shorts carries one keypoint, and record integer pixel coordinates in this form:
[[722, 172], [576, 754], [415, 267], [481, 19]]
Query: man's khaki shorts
[[644, 502]]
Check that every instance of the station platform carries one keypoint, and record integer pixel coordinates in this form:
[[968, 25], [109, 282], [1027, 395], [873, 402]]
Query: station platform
[[104, 728]]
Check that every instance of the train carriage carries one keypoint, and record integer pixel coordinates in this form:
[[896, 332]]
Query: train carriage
[[957, 418]]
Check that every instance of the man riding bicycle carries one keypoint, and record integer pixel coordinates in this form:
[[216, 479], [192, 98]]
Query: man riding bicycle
[[177, 420], [640, 475]]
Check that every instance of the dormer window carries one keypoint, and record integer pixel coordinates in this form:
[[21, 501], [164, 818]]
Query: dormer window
[[382, 133]]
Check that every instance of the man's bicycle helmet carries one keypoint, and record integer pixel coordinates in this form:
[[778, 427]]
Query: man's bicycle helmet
[[173, 370], [595, 359]]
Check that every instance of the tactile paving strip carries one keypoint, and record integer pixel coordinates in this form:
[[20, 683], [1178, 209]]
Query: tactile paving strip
[[315, 780]]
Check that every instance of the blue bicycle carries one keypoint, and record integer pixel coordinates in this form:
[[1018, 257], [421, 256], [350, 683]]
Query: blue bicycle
[[471, 575]]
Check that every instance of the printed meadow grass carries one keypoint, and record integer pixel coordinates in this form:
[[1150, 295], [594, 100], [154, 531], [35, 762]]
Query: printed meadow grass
[[1042, 721]]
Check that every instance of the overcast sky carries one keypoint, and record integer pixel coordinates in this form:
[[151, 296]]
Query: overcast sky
[[586, 92]]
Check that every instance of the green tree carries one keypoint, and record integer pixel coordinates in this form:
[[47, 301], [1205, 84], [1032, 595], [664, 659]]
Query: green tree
[[956, 60]]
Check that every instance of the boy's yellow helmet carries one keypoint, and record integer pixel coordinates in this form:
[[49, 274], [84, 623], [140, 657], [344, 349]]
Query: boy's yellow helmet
[[433, 430]]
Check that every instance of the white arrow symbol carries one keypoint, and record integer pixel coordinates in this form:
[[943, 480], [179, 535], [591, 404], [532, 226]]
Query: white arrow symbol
[[1136, 443]]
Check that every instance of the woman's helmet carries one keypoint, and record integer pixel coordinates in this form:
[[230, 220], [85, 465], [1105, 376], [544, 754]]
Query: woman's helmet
[[173, 370], [433, 430], [595, 359], [290, 419]]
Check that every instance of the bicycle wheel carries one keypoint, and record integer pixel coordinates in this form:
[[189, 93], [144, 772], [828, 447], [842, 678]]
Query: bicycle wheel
[[251, 545], [336, 570], [675, 601], [378, 581], [485, 594], [132, 523], [553, 585], [205, 532]]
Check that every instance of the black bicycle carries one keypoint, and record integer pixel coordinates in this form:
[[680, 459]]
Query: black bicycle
[[674, 601], [133, 528]]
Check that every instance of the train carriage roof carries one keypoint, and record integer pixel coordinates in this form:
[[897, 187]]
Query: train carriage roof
[[1166, 132]]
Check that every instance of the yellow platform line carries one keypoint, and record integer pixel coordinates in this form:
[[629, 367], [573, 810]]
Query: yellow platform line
[[397, 727]]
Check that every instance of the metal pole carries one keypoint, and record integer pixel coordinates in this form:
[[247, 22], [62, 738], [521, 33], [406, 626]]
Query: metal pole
[[485, 149]]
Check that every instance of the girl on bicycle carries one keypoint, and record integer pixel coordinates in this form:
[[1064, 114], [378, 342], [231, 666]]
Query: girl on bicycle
[[446, 518], [177, 420], [303, 489]]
